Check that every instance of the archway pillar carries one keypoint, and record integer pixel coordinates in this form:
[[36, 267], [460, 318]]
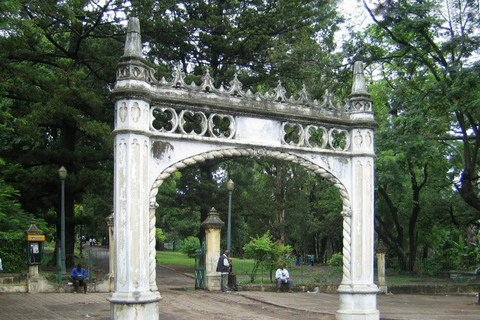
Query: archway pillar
[[358, 292], [133, 297], [212, 225]]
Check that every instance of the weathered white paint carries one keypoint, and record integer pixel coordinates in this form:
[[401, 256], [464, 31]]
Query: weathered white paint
[[145, 155]]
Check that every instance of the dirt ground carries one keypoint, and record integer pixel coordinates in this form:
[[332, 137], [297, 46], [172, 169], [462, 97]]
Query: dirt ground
[[204, 305], [179, 304]]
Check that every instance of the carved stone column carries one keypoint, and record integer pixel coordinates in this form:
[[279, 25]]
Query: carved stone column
[[212, 225], [132, 298], [358, 292]]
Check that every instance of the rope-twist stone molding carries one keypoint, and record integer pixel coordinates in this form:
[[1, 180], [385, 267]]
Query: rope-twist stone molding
[[152, 263], [261, 153]]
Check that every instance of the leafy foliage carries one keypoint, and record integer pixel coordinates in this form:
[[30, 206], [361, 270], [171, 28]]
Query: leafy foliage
[[56, 64], [12, 251], [190, 245], [265, 252], [424, 54], [336, 260]]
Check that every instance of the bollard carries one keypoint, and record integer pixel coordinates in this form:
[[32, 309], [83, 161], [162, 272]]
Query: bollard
[[59, 265]]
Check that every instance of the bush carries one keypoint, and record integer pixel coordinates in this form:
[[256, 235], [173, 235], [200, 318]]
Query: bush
[[12, 251], [266, 253], [190, 245], [336, 260]]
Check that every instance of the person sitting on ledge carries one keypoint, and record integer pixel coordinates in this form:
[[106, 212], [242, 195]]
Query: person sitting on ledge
[[79, 277], [283, 277]]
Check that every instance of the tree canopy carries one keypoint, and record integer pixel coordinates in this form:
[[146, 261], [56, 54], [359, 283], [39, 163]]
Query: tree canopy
[[57, 67]]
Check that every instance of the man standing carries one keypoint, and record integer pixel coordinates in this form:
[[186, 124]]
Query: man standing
[[283, 277], [223, 268]]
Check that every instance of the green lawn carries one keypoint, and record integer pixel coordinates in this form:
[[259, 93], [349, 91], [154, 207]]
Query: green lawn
[[174, 258], [300, 274]]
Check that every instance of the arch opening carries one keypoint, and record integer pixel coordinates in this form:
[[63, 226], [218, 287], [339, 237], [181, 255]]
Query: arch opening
[[265, 153]]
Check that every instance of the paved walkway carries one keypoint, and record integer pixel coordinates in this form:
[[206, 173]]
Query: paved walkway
[[63, 306], [66, 306]]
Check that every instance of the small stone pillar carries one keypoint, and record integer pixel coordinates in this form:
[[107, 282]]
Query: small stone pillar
[[382, 283], [111, 251], [212, 225], [33, 279]]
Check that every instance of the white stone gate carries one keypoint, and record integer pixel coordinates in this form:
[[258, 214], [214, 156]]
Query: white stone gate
[[334, 142]]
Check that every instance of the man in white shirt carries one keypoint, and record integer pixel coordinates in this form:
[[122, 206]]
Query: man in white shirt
[[283, 277]]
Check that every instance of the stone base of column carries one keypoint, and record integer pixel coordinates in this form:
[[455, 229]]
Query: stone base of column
[[134, 306], [111, 282], [33, 280], [34, 284], [383, 288], [358, 302], [213, 282]]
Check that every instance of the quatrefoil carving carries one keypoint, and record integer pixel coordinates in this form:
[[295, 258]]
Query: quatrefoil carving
[[197, 120], [164, 119], [215, 130], [293, 134], [339, 139], [316, 137]]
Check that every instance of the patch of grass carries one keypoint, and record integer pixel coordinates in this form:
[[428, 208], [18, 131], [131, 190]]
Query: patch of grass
[[405, 279], [174, 258]]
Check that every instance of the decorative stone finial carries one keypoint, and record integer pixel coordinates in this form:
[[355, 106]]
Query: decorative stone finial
[[359, 86], [213, 220], [110, 219], [133, 43], [33, 229]]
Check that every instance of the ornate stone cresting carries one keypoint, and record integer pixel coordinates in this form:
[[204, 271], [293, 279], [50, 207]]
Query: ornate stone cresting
[[278, 94]]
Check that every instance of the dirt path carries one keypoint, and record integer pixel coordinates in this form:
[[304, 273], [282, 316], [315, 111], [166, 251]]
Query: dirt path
[[200, 305], [204, 305]]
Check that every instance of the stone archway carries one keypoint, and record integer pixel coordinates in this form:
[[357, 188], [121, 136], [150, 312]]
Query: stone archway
[[334, 142]]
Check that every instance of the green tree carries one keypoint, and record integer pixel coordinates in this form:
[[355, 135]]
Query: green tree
[[190, 246], [423, 56], [262, 41], [437, 41], [411, 181], [57, 63], [265, 252]]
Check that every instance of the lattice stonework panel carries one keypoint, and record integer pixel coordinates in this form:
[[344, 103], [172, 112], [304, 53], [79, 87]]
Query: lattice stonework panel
[[194, 123], [317, 137]]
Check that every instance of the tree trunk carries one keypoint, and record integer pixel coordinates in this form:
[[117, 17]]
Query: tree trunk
[[280, 199]]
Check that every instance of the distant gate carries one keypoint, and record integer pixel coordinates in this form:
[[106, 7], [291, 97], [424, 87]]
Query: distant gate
[[200, 267]]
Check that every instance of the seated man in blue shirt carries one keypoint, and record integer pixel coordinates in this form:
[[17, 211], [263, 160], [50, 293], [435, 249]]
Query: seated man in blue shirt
[[79, 276]]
